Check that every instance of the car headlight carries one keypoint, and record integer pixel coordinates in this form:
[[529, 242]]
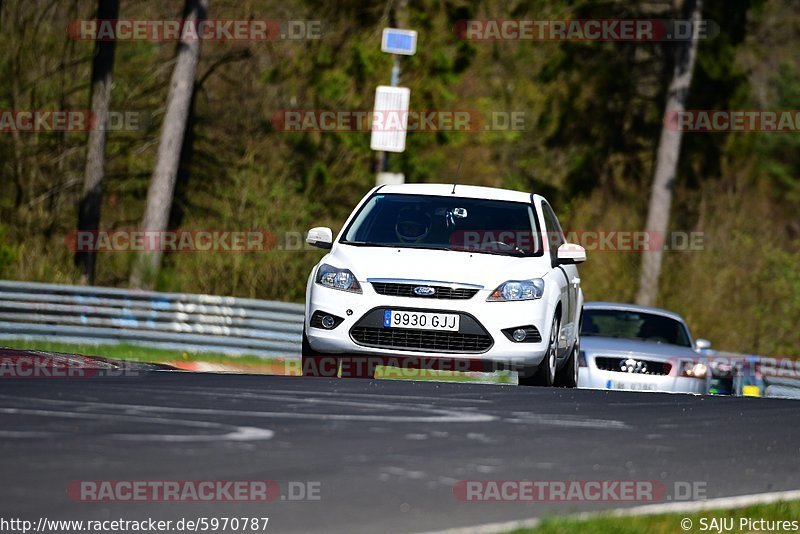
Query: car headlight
[[693, 369], [334, 278], [518, 290]]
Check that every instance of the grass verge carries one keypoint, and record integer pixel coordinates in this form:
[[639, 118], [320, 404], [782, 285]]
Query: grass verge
[[722, 520], [134, 352], [244, 363]]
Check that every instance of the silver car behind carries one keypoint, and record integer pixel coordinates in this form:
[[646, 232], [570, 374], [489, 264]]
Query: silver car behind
[[638, 348]]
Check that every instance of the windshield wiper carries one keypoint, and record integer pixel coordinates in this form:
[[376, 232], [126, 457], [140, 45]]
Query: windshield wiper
[[511, 252], [516, 253], [396, 245], [427, 247], [368, 244]]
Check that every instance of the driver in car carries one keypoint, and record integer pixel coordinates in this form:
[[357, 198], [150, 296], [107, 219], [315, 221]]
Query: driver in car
[[413, 225]]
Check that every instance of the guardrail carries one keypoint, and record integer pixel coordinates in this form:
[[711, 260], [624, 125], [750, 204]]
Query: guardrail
[[235, 326], [176, 321]]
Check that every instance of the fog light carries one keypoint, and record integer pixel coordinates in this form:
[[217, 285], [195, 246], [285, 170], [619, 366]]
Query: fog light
[[328, 321], [526, 333]]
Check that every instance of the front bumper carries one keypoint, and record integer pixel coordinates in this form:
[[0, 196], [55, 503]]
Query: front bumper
[[594, 378], [491, 317]]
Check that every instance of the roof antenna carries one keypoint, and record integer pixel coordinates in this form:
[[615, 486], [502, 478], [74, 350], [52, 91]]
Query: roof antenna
[[458, 171]]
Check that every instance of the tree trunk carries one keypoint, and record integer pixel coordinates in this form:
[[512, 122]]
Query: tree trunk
[[669, 149], [92, 195], [162, 185]]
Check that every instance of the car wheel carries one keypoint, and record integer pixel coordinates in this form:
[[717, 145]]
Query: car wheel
[[545, 374], [318, 364], [567, 376]]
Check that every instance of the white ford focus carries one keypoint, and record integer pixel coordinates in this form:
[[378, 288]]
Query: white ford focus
[[435, 272]]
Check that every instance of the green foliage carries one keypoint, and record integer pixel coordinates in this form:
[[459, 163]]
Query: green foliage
[[779, 152], [8, 255]]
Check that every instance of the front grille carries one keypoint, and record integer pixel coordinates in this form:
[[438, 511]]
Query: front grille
[[407, 290], [424, 340], [633, 366]]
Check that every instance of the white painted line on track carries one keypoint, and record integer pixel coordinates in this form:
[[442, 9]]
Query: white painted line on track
[[241, 433], [379, 396], [438, 415], [568, 421], [237, 433]]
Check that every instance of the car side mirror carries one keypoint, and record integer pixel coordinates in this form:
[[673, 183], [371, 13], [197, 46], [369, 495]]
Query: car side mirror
[[702, 344], [570, 254], [320, 237]]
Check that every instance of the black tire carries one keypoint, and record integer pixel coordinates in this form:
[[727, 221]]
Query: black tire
[[567, 376], [545, 373], [318, 364]]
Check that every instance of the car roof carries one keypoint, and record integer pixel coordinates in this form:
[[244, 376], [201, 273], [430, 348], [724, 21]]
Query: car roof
[[621, 306], [467, 191]]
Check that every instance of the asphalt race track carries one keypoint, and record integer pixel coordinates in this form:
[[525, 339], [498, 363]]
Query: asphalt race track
[[386, 453]]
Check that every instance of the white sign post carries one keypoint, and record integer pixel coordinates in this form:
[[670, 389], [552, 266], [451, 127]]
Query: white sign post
[[390, 118]]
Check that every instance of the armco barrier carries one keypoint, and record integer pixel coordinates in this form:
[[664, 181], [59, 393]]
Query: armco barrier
[[208, 323], [177, 321]]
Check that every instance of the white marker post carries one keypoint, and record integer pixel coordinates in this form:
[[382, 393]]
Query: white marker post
[[390, 119]]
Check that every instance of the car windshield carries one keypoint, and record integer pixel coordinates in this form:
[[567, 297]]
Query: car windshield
[[630, 324], [446, 223]]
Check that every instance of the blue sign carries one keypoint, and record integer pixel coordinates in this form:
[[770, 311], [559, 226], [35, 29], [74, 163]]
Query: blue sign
[[396, 41]]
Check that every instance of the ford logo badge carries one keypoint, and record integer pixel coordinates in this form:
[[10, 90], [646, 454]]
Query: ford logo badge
[[424, 291]]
